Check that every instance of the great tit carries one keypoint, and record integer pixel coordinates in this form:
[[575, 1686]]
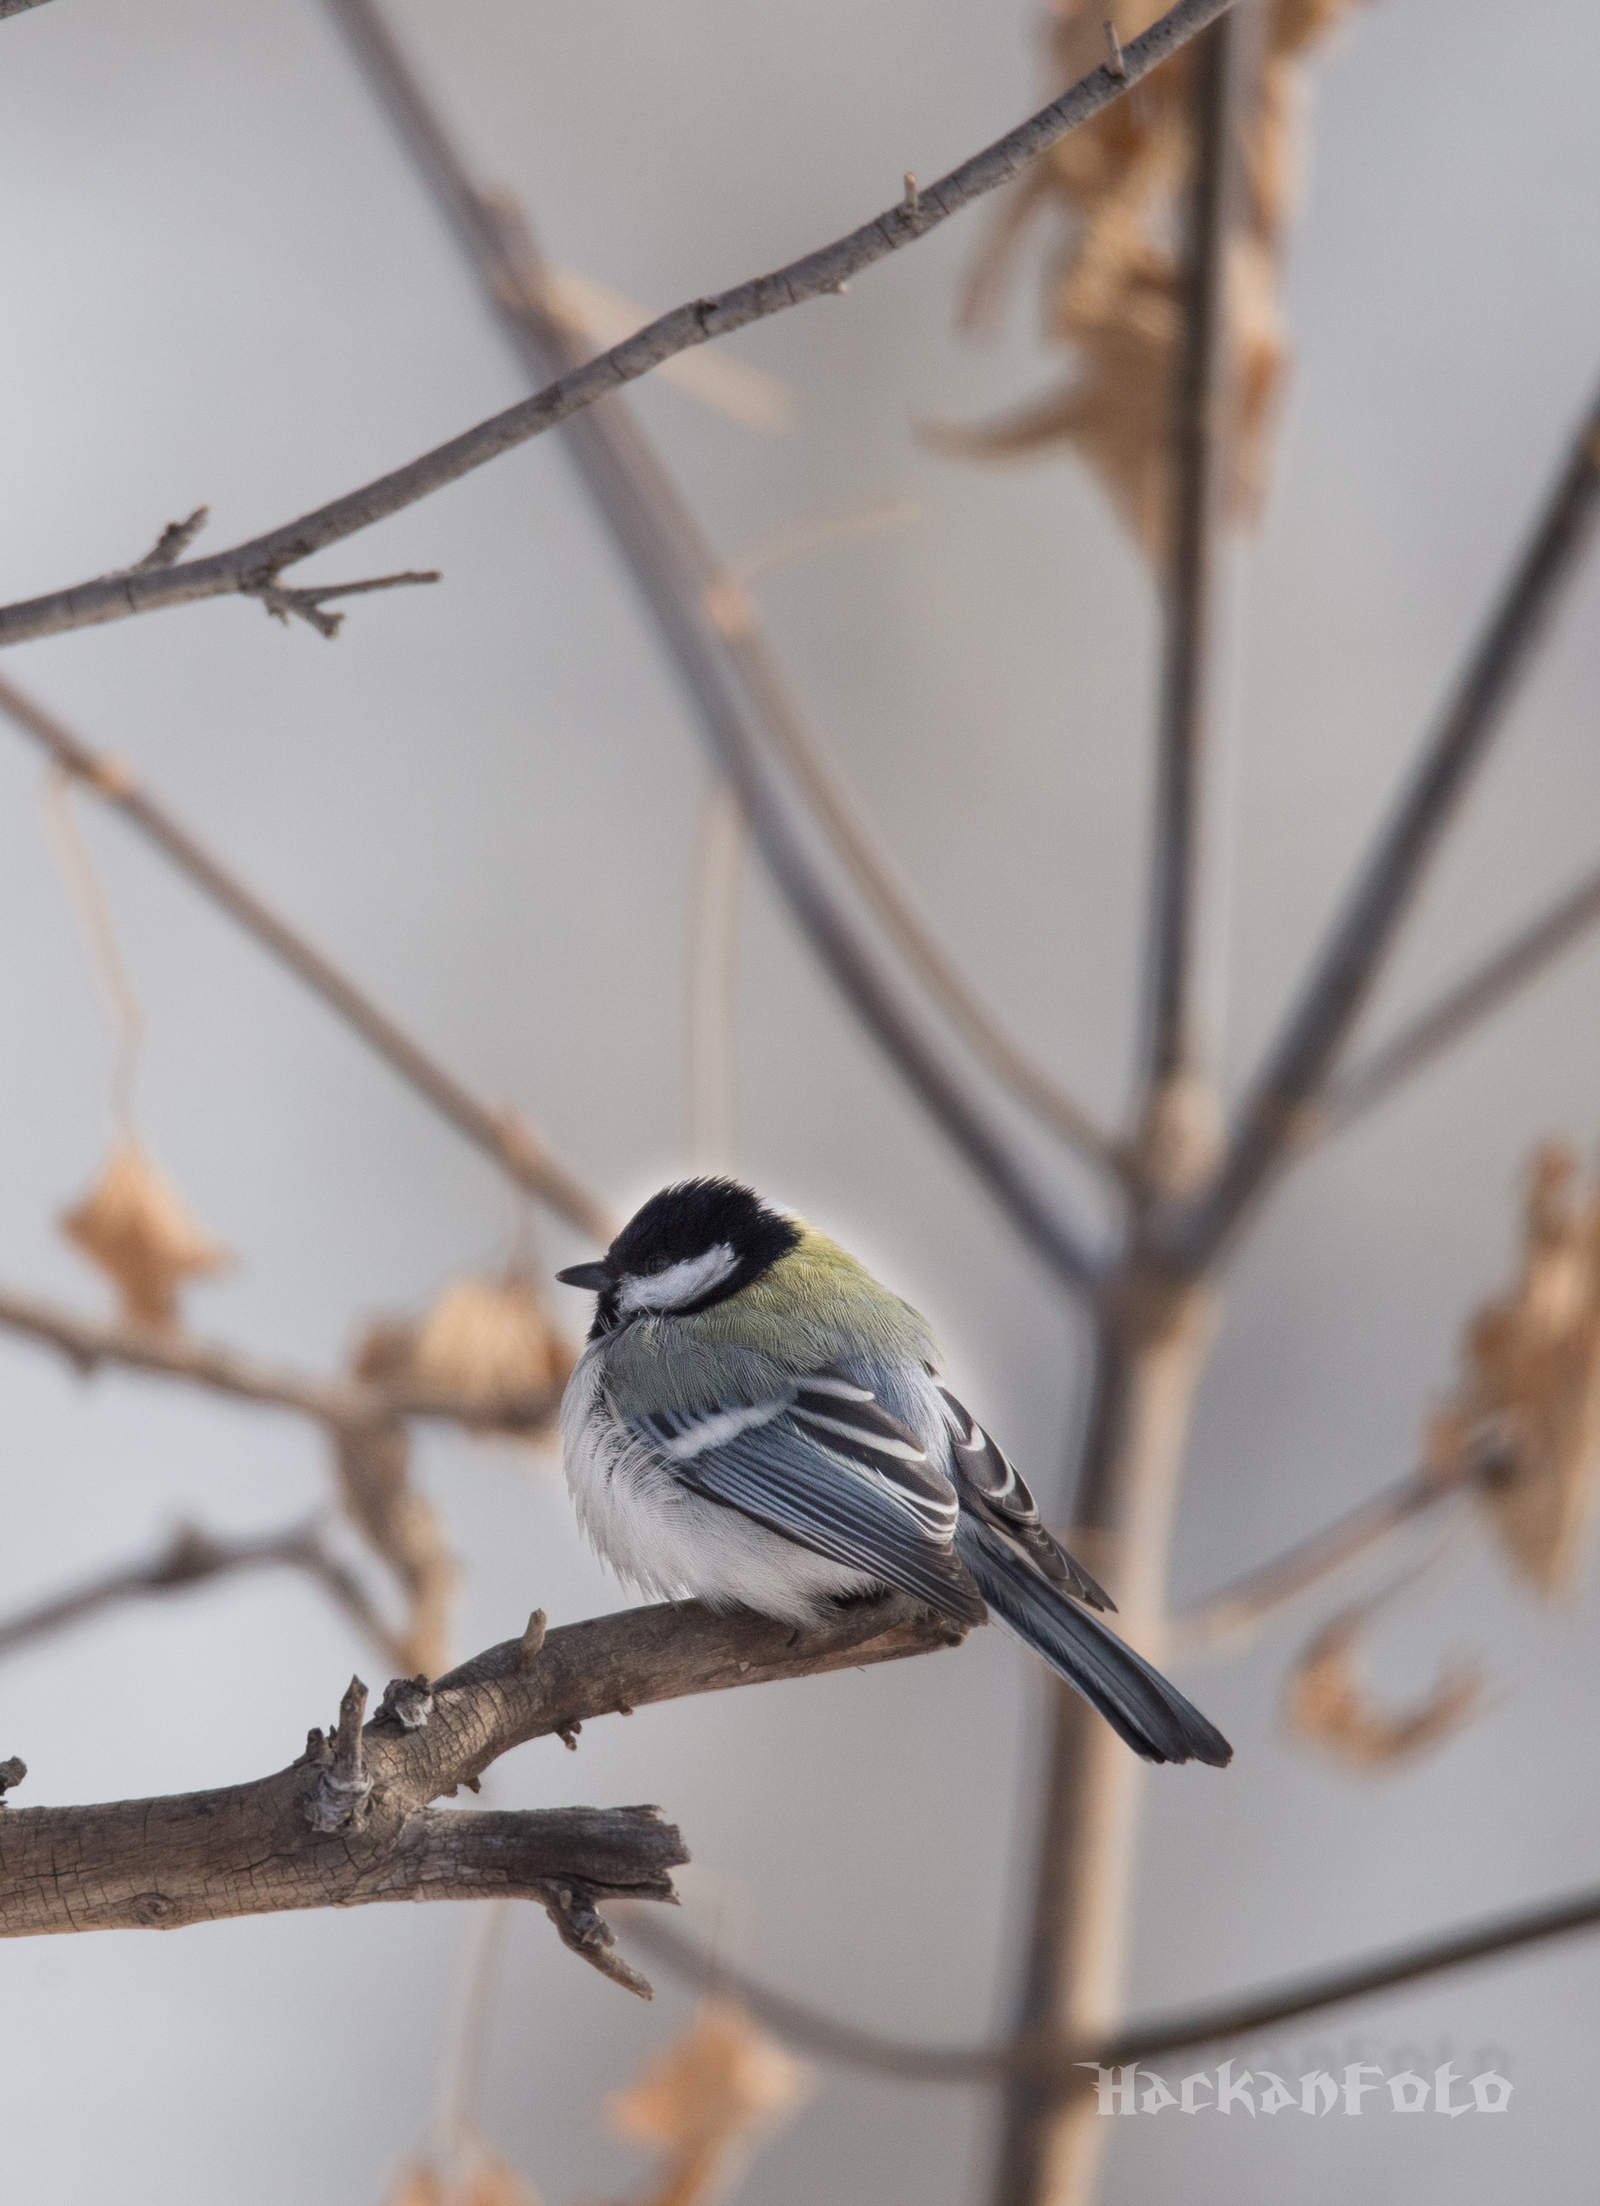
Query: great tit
[[757, 1422]]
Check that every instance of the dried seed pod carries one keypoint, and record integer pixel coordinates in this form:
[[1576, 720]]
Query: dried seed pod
[[1113, 290], [134, 1225], [490, 1339], [1527, 1403], [707, 2099], [487, 1343]]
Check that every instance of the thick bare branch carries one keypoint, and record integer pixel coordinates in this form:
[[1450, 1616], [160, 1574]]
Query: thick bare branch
[[709, 627], [193, 1557], [342, 1404], [247, 566], [1285, 1093], [499, 1133], [1457, 1011], [350, 1821]]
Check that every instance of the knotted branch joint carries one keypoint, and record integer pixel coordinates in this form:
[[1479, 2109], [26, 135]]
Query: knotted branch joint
[[342, 1787]]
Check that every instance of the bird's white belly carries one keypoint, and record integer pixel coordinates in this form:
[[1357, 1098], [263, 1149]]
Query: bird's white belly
[[668, 1541]]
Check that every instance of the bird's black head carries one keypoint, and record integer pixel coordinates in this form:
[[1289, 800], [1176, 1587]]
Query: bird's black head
[[692, 1245]]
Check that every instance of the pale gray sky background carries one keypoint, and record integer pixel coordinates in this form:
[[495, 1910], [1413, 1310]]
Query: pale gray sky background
[[222, 283]]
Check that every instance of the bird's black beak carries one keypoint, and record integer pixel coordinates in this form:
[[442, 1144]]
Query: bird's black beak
[[594, 1277]]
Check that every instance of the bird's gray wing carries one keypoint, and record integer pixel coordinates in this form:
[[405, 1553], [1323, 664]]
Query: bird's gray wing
[[825, 1464], [993, 1490]]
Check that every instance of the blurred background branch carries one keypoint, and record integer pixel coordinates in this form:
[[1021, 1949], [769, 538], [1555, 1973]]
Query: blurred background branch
[[1055, 2069], [710, 628], [194, 1556], [512, 1144], [1458, 1011], [1286, 1090]]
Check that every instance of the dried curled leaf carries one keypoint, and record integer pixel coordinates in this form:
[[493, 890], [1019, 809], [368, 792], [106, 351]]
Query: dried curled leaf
[[486, 1341], [707, 2099], [1327, 1701], [1113, 287], [1528, 1398], [135, 1226]]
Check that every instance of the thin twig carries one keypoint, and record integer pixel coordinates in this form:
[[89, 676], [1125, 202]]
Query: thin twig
[[1312, 1993], [342, 1404], [807, 538], [1457, 1011], [1283, 1097], [286, 605], [173, 541], [1201, 406], [100, 938], [1059, 2069], [192, 1557], [816, 275], [1234, 1612], [886, 896], [500, 1134], [464, 2057], [371, 1448], [599, 316], [723, 661]]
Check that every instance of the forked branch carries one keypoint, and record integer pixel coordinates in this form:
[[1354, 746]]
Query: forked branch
[[350, 1822], [1233, 1613], [194, 1557], [247, 566], [339, 1403], [1281, 1106], [1458, 1011], [710, 629]]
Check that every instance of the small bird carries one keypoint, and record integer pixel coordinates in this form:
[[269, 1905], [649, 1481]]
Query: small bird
[[757, 1422]]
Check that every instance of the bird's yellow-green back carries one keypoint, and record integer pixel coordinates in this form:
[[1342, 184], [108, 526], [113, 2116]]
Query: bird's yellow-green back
[[815, 1308]]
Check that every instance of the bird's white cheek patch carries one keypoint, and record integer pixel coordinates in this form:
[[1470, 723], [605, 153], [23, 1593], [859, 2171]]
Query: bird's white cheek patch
[[680, 1284]]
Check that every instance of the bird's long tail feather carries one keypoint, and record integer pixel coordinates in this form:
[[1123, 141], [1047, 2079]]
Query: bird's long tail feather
[[1135, 1699]]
